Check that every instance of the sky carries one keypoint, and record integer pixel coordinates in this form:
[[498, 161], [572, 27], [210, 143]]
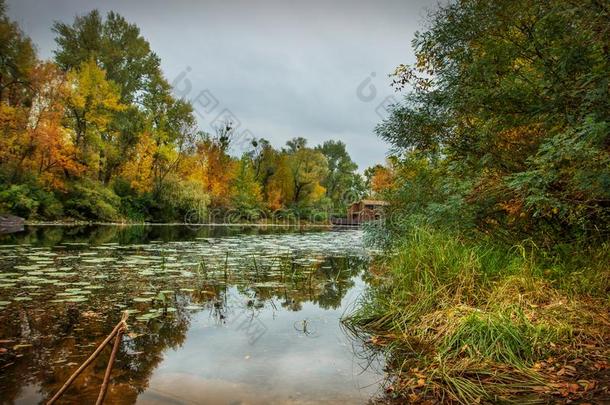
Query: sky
[[276, 69]]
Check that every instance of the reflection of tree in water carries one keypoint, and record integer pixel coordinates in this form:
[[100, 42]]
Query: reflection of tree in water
[[324, 283], [124, 235], [61, 340], [63, 335]]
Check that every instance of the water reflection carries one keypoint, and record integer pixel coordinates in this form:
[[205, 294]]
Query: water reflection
[[217, 315], [134, 234]]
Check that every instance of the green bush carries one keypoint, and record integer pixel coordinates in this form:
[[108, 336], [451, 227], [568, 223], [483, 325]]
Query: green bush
[[91, 200], [178, 200], [30, 202], [134, 206]]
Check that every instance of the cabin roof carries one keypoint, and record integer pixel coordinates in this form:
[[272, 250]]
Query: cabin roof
[[373, 202]]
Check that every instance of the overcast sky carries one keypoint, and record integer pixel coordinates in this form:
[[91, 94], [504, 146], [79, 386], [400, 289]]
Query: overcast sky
[[280, 69]]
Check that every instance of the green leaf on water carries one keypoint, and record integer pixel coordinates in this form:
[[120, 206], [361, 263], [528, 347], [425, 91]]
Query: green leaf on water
[[78, 298]]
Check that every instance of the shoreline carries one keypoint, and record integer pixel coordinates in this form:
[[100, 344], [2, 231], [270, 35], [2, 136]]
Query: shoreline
[[241, 224]]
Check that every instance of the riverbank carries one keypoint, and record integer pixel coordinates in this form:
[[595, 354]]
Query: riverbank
[[237, 224], [465, 322]]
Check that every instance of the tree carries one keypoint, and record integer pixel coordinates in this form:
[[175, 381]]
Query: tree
[[246, 194], [53, 155], [17, 60], [342, 183], [308, 169], [220, 169], [294, 144], [514, 96], [139, 169], [279, 190], [115, 45], [91, 102], [382, 180]]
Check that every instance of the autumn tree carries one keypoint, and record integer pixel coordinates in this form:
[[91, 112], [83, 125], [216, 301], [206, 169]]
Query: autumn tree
[[90, 104], [220, 168], [382, 179], [17, 61], [117, 47], [514, 97]]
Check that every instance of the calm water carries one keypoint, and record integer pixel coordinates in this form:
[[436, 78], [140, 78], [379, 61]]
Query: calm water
[[217, 315]]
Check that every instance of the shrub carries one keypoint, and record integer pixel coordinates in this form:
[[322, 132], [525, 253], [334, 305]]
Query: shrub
[[88, 199], [179, 201], [30, 202]]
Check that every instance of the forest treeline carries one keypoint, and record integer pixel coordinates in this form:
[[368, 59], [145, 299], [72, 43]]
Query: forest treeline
[[96, 134]]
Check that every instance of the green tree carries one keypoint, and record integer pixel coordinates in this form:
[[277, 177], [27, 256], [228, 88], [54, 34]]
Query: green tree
[[343, 185], [115, 45], [308, 168], [17, 59], [246, 191], [515, 96]]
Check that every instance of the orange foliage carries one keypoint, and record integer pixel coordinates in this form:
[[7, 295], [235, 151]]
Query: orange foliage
[[217, 171], [382, 180], [35, 140], [139, 169]]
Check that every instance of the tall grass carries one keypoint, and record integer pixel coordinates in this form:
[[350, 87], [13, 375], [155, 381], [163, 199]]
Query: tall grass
[[472, 318]]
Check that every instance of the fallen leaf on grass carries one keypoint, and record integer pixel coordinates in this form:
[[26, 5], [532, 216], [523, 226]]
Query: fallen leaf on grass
[[587, 385]]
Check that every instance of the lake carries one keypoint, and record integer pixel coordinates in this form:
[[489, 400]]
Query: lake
[[218, 315]]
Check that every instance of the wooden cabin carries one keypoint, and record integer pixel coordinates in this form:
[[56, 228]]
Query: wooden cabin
[[366, 210]]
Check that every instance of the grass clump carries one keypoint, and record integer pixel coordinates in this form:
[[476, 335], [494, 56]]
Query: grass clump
[[496, 336], [473, 322]]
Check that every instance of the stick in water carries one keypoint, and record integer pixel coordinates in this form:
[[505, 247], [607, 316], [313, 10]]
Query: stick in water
[[93, 356], [115, 349]]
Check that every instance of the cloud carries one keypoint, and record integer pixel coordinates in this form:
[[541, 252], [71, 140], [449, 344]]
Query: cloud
[[283, 68]]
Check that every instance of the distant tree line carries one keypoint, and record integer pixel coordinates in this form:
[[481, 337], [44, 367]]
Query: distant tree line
[[96, 134]]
